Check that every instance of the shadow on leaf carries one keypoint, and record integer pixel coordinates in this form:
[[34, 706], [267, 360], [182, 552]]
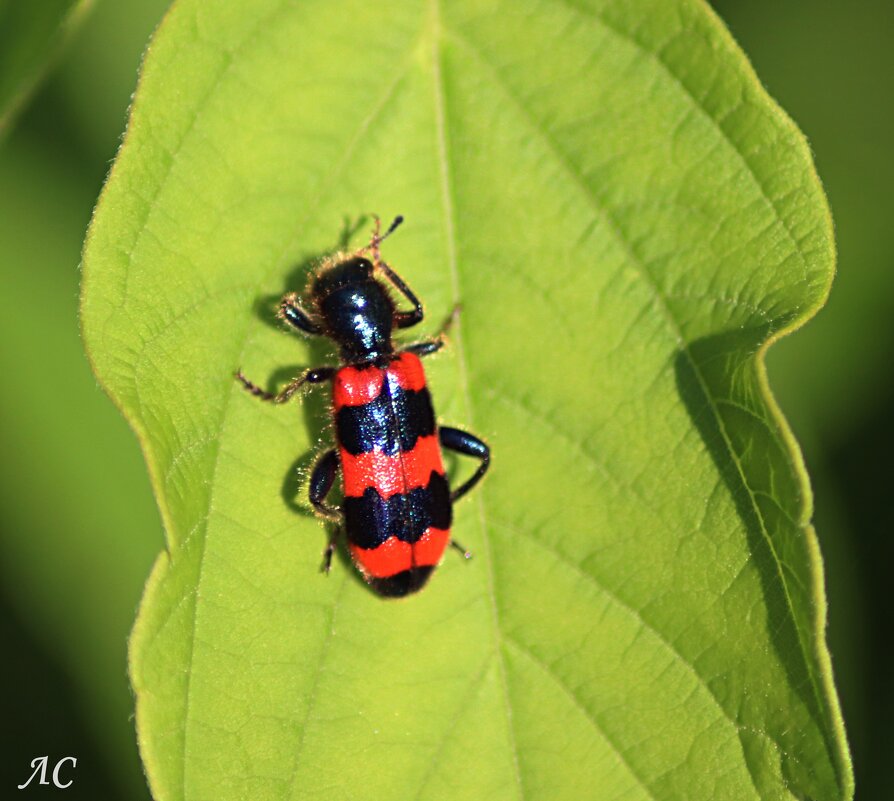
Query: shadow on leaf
[[718, 383]]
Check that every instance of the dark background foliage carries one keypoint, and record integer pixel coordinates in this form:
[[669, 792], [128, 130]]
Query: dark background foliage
[[71, 471]]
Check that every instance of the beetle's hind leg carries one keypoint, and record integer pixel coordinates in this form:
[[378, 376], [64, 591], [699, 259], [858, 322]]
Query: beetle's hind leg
[[469, 445], [466, 553], [322, 479], [326, 566]]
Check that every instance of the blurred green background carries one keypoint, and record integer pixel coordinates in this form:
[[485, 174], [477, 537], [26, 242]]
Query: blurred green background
[[78, 525]]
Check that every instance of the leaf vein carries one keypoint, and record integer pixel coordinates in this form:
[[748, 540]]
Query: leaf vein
[[676, 332], [443, 145]]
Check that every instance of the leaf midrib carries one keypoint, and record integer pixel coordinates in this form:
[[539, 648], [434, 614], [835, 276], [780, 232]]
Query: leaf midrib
[[462, 360], [245, 339]]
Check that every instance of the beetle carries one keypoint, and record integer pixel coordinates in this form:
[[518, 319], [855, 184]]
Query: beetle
[[397, 506]]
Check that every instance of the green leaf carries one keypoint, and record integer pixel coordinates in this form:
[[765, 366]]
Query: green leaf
[[30, 36], [628, 221]]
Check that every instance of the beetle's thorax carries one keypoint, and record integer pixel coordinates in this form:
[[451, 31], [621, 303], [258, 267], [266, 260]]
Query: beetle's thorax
[[357, 311]]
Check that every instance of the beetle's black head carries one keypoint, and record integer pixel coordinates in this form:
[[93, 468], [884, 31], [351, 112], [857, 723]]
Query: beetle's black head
[[356, 309]]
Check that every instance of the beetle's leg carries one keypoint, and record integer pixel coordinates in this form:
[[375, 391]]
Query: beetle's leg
[[469, 445], [426, 347], [402, 319], [291, 312], [467, 554], [316, 376], [328, 551], [433, 345], [322, 478]]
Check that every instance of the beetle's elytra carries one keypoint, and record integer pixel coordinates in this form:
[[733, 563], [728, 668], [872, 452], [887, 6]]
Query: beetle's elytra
[[397, 508]]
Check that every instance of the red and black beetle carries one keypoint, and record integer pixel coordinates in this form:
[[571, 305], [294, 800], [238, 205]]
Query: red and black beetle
[[397, 506]]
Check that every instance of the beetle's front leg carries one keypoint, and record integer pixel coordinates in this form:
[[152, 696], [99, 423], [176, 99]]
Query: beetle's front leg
[[291, 312], [316, 376]]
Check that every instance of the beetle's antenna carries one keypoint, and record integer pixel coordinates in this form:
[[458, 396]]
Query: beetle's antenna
[[391, 228], [377, 239]]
